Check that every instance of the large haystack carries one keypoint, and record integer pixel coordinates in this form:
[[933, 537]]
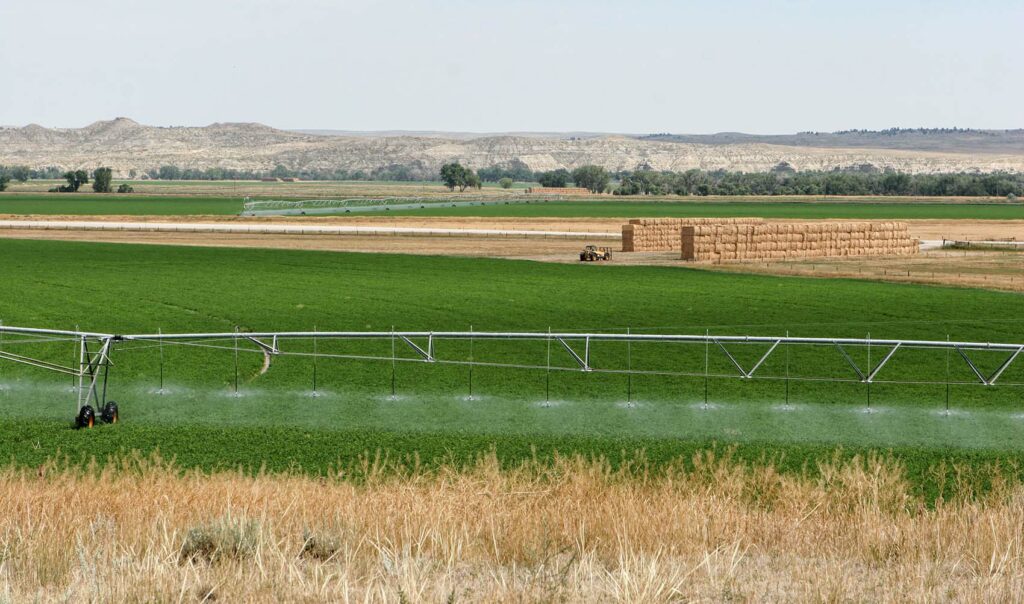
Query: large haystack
[[662, 234], [726, 242]]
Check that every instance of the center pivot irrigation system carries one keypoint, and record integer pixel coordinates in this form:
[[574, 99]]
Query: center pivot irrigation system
[[381, 204], [94, 351]]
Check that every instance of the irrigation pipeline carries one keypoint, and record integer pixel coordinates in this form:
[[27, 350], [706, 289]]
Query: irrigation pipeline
[[95, 350], [383, 204]]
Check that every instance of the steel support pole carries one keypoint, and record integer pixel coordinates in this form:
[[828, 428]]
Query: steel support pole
[[547, 374], [629, 370], [315, 354], [707, 360], [471, 363]]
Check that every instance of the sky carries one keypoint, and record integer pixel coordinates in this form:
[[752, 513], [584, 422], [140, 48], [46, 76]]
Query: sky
[[516, 65]]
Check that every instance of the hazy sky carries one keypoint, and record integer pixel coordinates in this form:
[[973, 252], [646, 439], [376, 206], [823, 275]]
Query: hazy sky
[[515, 65]]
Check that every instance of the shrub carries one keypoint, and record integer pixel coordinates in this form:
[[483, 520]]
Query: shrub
[[125, 188], [226, 538], [320, 545], [505, 183]]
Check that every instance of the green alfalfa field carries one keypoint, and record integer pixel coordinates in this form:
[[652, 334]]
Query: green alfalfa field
[[85, 204], [272, 420]]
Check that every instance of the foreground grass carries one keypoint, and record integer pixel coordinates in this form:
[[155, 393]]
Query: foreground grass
[[574, 530], [931, 472]]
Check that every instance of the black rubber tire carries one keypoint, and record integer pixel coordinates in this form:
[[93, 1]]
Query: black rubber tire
[[110, 413], [86, 417]]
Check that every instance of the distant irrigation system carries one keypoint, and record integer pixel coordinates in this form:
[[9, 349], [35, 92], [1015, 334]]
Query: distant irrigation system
[[96, 350], [381, 204]]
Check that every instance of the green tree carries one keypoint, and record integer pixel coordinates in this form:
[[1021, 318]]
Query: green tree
[[169, 173], [75, 179], [593, 178], [125, 188], [101, 178], [505, 183], [554, 179], [456, 175], [21, 173], [4, 179]]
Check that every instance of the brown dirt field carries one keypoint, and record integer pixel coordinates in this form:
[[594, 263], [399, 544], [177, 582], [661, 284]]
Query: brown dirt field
[[534, 224], [1000, 270], [967, 229], [519, 248]]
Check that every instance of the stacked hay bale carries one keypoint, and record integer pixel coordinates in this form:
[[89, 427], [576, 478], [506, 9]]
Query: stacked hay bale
[[727, 242], [662, 234], [558, 191]]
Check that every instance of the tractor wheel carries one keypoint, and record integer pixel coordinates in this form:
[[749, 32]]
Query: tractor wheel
[[86, 417], [583, 257], [110, 414]]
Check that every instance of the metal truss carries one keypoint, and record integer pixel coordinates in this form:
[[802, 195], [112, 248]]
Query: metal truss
[[95, 349]]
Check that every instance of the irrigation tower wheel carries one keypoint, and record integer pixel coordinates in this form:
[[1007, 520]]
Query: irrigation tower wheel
[[109, 414], [86, 417]]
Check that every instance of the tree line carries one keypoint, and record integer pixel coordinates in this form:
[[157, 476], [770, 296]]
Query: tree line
[[593, 178], [783, 180], [102, 179]]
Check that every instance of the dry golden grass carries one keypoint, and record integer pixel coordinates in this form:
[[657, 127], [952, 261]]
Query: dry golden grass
[[574, 531], [1001, 270]]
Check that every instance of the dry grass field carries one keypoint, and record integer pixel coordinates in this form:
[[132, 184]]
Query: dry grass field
[[575, 530], [1001, 270]]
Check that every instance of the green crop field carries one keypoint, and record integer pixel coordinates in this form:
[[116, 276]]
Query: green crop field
[[170, 205], [201, 420], [884, 210], [86, 204]]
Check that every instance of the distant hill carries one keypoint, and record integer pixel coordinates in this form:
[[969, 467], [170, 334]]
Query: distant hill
[[450, 135], [126, 145], [945, 140]]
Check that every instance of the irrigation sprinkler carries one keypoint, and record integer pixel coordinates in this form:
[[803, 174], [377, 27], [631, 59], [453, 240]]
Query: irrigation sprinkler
[[868, 381], [235, 346], [470, 362], [315, 350], [91, 368], [629, 370], [379, 204], [393, 363], [160, 345], [547, 373], [787, 369], [707, 360], [947, 377]]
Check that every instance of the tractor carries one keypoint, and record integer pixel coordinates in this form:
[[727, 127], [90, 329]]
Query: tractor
[[591, 253]]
